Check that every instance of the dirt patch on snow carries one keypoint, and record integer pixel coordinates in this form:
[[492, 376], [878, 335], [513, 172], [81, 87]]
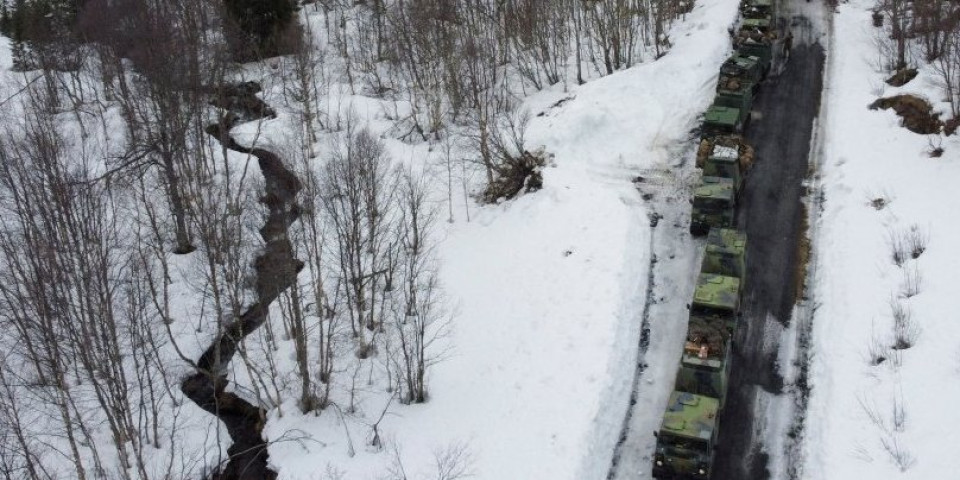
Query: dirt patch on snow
[[902, 77], [521, 173], [916, 114]]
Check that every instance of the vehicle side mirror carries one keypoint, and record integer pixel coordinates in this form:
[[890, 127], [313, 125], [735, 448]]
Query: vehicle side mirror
[[656, 434]]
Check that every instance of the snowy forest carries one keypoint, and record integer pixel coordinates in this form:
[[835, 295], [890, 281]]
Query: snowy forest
[[449, 239], [206, 225]]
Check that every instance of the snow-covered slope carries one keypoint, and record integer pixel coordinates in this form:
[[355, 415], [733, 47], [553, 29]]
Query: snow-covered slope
[[895, 417], [550, 288]]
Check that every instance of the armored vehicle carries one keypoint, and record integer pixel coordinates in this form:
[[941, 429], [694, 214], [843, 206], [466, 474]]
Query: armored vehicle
[[759, 38], [727, 156], [726, 253], [687, 437], [713, 205], [738, 81], [740, 68], [724, 120], [705, 364], [717, 299]]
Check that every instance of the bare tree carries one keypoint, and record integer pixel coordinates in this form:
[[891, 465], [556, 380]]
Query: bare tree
[[540, 36], [420, 320], [613, 27], [947, 66], [933, 22], [358, 188], [899, 14], [452, 462], [318, 299], [84, 340], [163, 106], [304, 90]]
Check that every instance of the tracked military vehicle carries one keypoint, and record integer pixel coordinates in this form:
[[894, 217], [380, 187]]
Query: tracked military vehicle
[[714, 205], [724, 120], [726, 254], [738, 82], [760, 37], [705, 363], [687, 437], [726, 156], [740, 68], [717, 299]]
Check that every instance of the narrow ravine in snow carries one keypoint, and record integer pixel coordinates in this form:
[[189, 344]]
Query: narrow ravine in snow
[[276, 270]]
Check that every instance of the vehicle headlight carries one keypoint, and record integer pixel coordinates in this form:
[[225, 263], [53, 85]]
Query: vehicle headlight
[[703, 472], [659, 463]]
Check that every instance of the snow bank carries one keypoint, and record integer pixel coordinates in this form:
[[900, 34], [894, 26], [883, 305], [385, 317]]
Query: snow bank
[[861, 416]]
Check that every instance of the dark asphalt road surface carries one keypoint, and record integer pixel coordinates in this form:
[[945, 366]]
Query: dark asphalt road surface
[[770, 213]]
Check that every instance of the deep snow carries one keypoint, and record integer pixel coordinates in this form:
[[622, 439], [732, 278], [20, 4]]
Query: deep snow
[[551, 287], [862, 416]]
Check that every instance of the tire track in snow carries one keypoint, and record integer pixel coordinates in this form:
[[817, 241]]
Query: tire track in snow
[[673, 257]]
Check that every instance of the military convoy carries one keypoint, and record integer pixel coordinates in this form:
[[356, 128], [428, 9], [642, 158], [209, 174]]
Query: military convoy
[[739, 79], [687, 436]]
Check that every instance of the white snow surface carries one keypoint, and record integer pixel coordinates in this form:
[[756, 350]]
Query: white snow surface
[[853, 428], [549, 290]]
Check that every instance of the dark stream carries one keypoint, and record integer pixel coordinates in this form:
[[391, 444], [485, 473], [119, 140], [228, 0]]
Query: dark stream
[[276, 269]]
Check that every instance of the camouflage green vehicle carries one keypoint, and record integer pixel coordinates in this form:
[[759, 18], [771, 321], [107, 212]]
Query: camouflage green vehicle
[[724, 120], [726, 156], [687, 437], [737, 71], [713, 205], [725, 161], [738, 81], [705, 364], [760, 37], [717, 299], [726, 253]]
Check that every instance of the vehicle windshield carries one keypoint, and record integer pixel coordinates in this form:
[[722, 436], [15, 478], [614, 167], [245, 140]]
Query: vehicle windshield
[[683, 447], [756, 50], [709, 205], [690, 364], [705, 311]]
